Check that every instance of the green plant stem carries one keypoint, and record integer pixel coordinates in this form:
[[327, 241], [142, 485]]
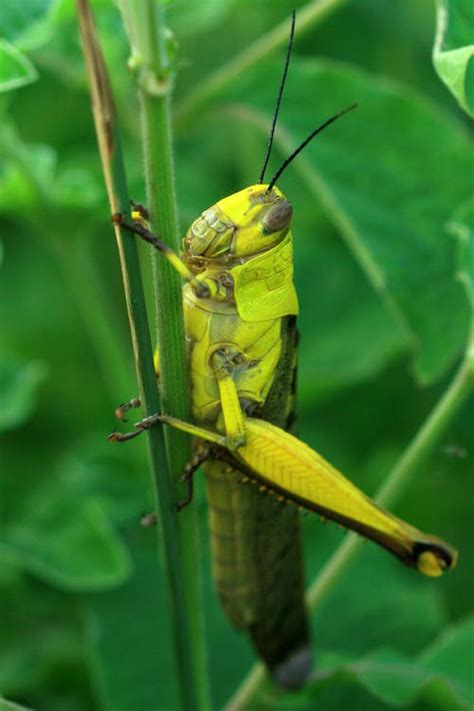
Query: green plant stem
[[168, 536], [145, 23], [417, 451], [307, 17]]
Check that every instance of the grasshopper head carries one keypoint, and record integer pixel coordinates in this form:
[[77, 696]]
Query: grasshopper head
[[241, 225]]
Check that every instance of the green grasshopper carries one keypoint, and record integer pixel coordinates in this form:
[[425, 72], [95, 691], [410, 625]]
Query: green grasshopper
[[240, 309]]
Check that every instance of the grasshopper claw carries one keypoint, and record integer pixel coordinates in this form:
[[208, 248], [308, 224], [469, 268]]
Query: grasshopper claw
[[125, 406]]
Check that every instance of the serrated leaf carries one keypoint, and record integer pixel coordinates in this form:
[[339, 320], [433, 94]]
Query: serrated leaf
[[453, 53], [16, 69], [383, 185]]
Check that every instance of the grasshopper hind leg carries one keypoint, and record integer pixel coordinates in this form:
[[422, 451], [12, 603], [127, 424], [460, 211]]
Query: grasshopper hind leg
[[204, 454]]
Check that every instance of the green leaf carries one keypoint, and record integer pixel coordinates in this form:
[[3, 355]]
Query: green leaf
[[129, 638], [352, 335], [19, 384], [65, 541], [442, 674], [115, 477], [11, 706], [399, 681], [16, 70], [453, 53], [356, 618], [461, 225], [451, 657], [18, 18], [383, 185], [27, 171], [190, 18], [40, 641]]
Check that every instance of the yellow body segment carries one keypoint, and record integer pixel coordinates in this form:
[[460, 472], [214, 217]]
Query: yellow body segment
[[255, 345]]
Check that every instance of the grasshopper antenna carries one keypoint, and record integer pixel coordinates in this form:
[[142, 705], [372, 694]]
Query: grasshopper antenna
[[280, 94], [314, 133]]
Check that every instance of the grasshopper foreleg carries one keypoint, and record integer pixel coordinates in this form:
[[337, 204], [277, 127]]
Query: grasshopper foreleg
[[138, 228], [203, 287]]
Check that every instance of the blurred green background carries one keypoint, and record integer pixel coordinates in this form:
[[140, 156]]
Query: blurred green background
[[379, 203]]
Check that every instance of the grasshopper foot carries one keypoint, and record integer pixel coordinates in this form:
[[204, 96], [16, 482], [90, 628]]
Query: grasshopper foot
[[139, 212], [125, 406], [145, 424]]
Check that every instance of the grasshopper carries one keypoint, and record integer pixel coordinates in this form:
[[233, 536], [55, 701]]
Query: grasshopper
[[240, 308]]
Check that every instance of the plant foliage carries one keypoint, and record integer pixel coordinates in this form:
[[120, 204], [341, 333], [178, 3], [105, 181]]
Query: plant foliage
[[385, 271]]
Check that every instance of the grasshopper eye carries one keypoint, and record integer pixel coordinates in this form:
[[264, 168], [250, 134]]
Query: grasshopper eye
[[278, 217]]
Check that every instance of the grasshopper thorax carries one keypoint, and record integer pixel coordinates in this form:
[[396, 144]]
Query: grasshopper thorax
[[238, 227]]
